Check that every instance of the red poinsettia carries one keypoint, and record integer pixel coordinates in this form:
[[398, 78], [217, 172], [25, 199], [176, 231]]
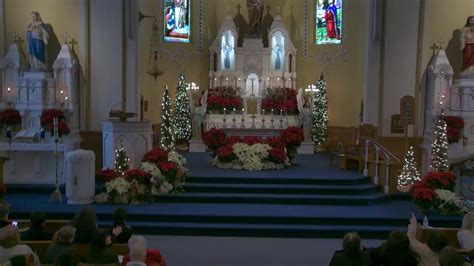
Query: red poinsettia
[[47, 116], [138, 175], [226, 154], [214, 138], [214, 102], [277, 155], [454, 124], [168, 169], [440, 180], [292, 136], [10, 117], [106, 175], [251, 140], [63, 128], [423, 196], [232, 140], [156, 156], [275, 142]]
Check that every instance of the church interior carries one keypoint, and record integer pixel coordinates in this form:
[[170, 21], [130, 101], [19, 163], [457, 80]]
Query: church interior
[[256, 132]]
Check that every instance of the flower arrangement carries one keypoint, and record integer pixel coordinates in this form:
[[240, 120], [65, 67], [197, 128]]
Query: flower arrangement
[[292, 136], [218, 103], [10, 117], [47, 121], [226, 154], [137, 174], [435, 192], [156, 156], [214, 139], [281, 99], [117, 187], [168, 169], [454, 124], [106, 175]]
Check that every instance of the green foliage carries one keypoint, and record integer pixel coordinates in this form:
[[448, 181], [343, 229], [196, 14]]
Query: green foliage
[[319, 114], [167, 136], [182, 112], [439, 147]]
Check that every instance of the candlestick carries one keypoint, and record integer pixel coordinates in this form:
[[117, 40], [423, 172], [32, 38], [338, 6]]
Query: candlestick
[[281, 112], [233, 118]]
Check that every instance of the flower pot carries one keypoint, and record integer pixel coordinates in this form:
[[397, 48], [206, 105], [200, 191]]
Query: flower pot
[[121, 198]]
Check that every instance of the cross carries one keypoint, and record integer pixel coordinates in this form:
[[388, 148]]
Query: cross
[[441, 42], [72, 43], [65, 37], [434, 47], [15, 36], [238, 8]]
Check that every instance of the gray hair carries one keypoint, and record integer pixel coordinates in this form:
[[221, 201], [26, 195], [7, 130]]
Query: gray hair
[[66, 234], [137, 248]]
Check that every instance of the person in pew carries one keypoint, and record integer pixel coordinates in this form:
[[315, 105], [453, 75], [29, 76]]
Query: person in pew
[[139, 255], [100, 251], [4, 212], [36, 230], [352, 254], [449, 256], [62, 241], [466, 234], [428, 252], [10, 247], [121, 232], [395, 252], [67, 257], [85, 222]]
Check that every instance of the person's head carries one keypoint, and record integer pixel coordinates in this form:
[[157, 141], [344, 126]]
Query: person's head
[[351, 244], [437, 241], [9, 236], [101, 238], [397, 244], [137, 248], [470, 21], [450, 257], [67, 257], [35, 15], [4, 211], [119, 216], [468, 221], [37, 219], [66, 234], [85, 220]]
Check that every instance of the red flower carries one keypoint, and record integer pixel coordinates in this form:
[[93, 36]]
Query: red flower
[[47, 116], [156, 156], [277, 155], [10, 117], [214, 138], [251, 140], [106, 175], [167, 166], [232, 140], [440, 180], [137, 174], [275, 142], [226, 154], [292, 136], [454, 124]]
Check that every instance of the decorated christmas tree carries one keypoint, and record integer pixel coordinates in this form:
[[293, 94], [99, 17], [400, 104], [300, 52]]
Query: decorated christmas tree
[[167, 136], [439, 147], [182, 112], [409, 174], [122, 162], [319, 114]]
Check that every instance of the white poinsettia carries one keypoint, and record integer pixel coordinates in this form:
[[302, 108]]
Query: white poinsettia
[[150, 168], [118, 185], [449, 197], [177, 158], [251, 156]]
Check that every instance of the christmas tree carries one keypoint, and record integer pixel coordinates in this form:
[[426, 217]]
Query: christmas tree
[[439, 147], [167, 136], [409, 174], [320, 113], [183, 112], [122, 162]]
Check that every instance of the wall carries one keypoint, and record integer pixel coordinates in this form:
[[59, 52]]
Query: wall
[[344, 78]]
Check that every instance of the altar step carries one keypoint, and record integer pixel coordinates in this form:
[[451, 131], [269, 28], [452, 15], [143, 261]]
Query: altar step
[[269, 179]]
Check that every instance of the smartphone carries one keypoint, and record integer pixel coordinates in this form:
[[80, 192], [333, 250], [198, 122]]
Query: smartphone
[[14, 223]]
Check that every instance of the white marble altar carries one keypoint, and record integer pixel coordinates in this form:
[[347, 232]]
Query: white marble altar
[[136, 137]]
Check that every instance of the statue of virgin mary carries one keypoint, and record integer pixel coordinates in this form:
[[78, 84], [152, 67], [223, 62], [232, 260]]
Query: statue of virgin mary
[[37, 39]]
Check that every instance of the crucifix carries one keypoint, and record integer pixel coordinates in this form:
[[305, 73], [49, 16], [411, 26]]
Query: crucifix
[[73, 43], [252, 79], [441, 42], [65, 37], [434, 47]]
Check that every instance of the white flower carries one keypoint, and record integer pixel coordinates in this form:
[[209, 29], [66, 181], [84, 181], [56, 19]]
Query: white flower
[[119, 185], [150, 168], [449, 197], [101, 198], [177, 158]]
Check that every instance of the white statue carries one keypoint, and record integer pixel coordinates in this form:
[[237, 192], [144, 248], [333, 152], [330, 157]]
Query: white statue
[[37, 38], [467, 45], [199, 111], [305, 114]]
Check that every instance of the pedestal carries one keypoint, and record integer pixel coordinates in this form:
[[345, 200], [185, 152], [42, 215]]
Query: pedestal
[[136, 137], [80, 177], [196, 145], [306, 148]]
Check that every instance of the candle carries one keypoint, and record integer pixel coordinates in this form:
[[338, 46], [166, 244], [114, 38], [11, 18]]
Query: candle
[[263, 111], [243, 111], [281, 111]]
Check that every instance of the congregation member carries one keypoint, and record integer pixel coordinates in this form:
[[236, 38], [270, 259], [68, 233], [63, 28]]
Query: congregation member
[[4, 212], [352, 254], [428, 251], [139, 255], [100, 251], [395, 251], [36, 230], [10, 247], [121, 232], [62, 242], [466, 234], [450, 257], [85, 223], [67, 257]]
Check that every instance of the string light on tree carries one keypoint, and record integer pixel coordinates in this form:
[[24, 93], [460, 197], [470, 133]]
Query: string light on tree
[[319, 114], [183, 112], [122, 161], [167, 136], [410, 173], [439, 147]]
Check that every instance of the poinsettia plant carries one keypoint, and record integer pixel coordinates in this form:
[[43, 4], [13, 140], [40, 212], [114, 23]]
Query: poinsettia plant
[[277, 155], [454, 125], [156, 156], [47, 121], [10, 117], [281, 99], [423, 196], [226, 154], [168, 169], [440, 180], [214, 138], [106, 175], [140, 176], [292, 136]]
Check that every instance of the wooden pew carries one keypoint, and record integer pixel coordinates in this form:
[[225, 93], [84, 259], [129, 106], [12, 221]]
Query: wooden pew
[[422, 234], [51, 226]]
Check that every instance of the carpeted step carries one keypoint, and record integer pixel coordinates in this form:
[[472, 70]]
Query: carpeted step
[[301, 199], [282, 188], [280, 180]]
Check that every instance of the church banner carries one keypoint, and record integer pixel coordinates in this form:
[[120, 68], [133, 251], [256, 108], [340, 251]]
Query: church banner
[[328, 21], [177, 20]]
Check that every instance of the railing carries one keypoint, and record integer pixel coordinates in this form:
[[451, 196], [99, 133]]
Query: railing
[[388, 157]]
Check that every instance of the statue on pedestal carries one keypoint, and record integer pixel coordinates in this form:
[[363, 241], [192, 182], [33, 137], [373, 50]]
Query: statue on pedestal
[[467, 45], [255, 9], [198, 109], [305, 114], [37, 38]]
